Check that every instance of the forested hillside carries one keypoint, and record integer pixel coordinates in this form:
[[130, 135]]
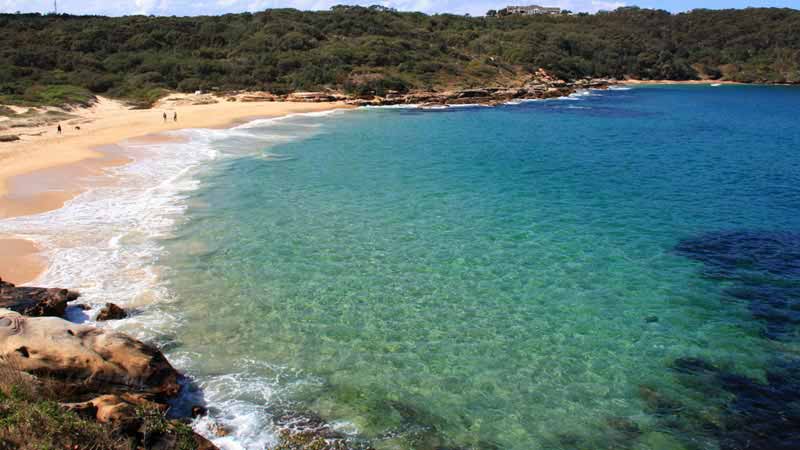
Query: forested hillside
[[53, 58]]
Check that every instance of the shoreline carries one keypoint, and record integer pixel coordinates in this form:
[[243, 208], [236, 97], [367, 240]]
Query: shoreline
[[685, 82], [42, 173]]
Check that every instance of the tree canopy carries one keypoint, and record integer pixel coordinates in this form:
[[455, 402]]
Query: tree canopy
[[372, 48]]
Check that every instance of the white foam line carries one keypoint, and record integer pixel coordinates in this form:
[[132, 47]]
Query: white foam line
[[105, 243]]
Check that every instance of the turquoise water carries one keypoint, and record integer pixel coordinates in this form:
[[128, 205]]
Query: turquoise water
[[485, 278]]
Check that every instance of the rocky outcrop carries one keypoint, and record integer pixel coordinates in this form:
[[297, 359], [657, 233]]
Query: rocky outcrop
[[120, 410], [111, 312], [136, 415], [313, 97], [539, 86], [35, 302], [100, 374], [88, 359], [308, 431]]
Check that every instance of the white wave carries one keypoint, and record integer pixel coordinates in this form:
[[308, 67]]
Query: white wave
[[106, 243], [249, 420], [400, 106], [259, 123]]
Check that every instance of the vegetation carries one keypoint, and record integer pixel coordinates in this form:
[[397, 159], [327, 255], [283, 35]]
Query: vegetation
[[32, 418], [59, 59]]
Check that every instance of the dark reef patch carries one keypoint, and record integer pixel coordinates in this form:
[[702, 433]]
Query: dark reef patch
[[762, 268], [765, 267]]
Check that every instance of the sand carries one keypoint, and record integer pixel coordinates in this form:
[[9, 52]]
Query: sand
[[43, 170], [19, 261]]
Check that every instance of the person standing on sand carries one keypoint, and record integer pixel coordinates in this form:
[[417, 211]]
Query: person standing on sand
[[175, 117], [165, 117], [59, 129]]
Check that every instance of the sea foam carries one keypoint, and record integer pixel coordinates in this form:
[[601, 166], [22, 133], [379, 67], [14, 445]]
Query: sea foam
[[106, 243]]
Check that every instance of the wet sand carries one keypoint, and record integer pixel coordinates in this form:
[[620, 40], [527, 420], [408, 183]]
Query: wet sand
[[19, 261], [43, 170]]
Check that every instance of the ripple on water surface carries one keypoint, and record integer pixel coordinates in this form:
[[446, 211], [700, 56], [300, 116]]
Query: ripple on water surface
[[614, 271], [531, 276]]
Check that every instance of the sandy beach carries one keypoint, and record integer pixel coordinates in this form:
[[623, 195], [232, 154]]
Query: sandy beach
[[43, 170]]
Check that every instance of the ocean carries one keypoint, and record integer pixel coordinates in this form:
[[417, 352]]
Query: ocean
[[618, 269]]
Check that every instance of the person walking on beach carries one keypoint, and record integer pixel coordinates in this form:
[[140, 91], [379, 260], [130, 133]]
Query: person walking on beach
[[165, 117], [175, 117], [59, 129]]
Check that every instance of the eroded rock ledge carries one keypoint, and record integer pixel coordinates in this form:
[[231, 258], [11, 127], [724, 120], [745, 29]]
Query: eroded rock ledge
[[35, 302], [539, 85]]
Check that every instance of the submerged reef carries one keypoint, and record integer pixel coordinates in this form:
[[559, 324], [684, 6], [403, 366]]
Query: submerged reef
[[762, 269]]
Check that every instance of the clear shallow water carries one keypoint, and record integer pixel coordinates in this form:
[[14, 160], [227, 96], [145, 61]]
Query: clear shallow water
[[521, 277], [486, 278]]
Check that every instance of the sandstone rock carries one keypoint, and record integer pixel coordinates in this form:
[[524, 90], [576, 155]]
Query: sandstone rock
[[311, 97], [130, 413], [36, 302], [122, 410], [473, 93], [85, 358], [111, 312]]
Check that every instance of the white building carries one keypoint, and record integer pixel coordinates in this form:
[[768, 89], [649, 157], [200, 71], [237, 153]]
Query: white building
[[532, 10]]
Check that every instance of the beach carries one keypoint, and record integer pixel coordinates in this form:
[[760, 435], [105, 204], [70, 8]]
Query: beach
[[43, 170]]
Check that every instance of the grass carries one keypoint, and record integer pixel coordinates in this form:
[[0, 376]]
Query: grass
[[61, 95], [31, 418]]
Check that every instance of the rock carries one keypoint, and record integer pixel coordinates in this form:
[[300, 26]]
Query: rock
[[124, 411], [199, 411], [35, 302], [84, 358], [473, 93], [651, 319], [311, 97], [661, 441], [219, 430], [258, 97], [111, 312], [202, 443], [137, 416], [9, 138]]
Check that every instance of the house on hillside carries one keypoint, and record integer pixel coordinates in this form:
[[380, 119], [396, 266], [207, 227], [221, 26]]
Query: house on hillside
[[532, 10]]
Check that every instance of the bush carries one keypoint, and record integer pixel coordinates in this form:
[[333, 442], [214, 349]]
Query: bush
[[57, 95], [130, 56]]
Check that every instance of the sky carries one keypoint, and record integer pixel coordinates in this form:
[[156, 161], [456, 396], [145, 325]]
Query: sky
[[474, 7]]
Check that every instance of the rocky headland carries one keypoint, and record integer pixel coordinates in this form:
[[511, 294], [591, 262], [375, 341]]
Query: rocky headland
[[540, 85]]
